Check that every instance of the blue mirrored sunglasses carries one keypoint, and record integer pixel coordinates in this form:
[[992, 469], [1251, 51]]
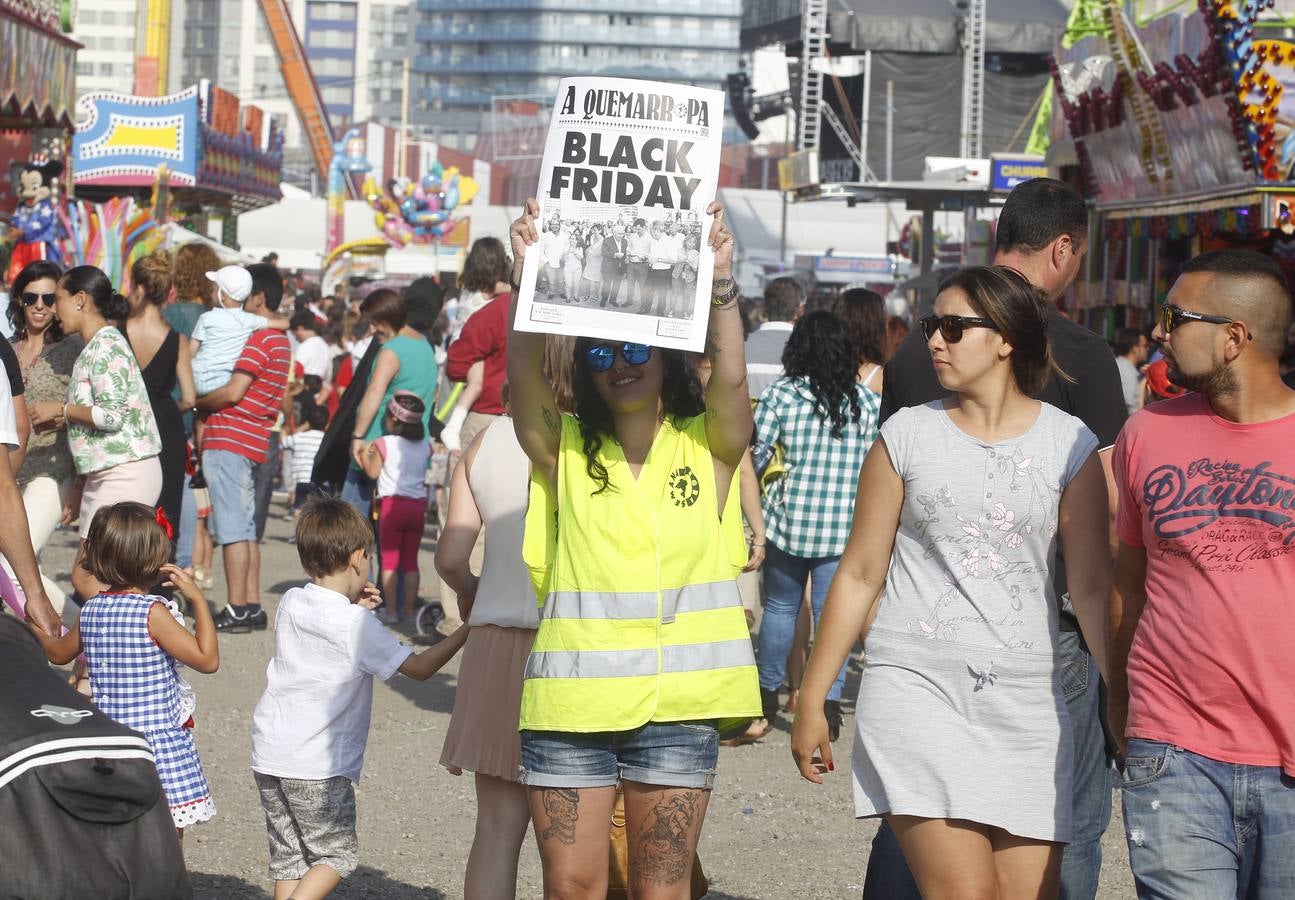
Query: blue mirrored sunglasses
[[602, 357]]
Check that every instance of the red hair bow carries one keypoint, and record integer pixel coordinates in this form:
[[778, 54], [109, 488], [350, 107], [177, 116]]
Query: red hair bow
[[159, 516]]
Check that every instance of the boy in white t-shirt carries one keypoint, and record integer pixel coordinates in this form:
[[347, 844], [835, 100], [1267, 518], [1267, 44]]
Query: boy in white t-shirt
[[220, 333], [311, 725]]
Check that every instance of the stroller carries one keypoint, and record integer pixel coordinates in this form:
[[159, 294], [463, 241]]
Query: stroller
[[82, 813]]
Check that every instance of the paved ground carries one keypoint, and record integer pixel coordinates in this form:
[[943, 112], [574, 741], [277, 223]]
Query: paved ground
[[769, 834]]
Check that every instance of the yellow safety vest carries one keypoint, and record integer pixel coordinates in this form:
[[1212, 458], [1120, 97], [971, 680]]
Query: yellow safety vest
[[640, 619]]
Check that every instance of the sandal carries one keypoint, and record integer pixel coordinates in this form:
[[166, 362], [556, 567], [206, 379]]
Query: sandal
[[755, 730]]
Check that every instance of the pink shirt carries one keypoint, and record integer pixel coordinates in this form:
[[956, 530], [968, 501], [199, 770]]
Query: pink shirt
[[1213, 502]]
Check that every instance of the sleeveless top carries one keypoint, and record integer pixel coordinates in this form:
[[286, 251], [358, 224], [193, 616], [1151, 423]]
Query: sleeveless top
[[135, 681], [499, 477], [417, 373], [641, 620]]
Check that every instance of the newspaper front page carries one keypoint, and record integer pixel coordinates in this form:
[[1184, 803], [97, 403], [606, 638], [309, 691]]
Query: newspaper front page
[[629, 168]]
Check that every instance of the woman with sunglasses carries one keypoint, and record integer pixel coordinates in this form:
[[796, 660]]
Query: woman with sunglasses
[[45, 357], [635, 540], [962, 735], [111, 432]]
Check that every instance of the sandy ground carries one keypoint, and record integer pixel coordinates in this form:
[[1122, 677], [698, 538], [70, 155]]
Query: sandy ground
[[769, 834]]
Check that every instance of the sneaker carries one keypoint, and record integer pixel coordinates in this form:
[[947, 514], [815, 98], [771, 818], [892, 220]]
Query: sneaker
[[231, 623], [832, 711]]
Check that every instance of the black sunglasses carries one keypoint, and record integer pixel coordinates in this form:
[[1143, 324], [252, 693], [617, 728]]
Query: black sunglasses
[[602, 357], [1172, 316], [951, 328], [31, 299]]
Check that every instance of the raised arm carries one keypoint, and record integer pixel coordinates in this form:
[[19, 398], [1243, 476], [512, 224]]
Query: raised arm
[[857, 585], [534, 407], [728, 407]]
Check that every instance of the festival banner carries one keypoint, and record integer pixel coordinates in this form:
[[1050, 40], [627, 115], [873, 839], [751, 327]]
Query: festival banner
[[629, 168]]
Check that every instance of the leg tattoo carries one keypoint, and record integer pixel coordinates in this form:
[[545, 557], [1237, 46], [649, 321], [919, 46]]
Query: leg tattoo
[[661, 850], [562, 807]]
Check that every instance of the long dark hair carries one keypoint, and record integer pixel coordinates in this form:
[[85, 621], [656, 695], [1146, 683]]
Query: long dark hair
[[820, 351], [1020, 311], [681, 398], [864, 314], [33, 271], [110, 304]]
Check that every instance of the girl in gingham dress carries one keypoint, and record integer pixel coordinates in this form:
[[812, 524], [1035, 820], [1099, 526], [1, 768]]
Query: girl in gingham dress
[[134, 642]]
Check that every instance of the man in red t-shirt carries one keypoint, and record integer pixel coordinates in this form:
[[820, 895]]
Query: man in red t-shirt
[[235, 442], [1202, 615]]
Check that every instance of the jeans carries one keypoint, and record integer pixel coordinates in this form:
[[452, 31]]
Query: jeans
[[1207, 830], [233, 496], [357, 490], [263, 483], [1081, 863], [668, 754], [784, 589], [187, 528]]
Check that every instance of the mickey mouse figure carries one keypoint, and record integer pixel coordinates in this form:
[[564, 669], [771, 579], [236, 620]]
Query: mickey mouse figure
[[35, 224]]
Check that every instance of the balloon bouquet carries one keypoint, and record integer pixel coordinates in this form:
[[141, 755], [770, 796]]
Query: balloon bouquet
[[419, 212]]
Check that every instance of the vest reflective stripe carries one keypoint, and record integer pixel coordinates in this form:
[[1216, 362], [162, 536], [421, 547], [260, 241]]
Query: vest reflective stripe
[[701, 657], [591, 663], [634, 663], [641, 604]]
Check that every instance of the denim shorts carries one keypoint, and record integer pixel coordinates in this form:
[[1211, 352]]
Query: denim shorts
[[667, 754], [310, 823], [233, 499]]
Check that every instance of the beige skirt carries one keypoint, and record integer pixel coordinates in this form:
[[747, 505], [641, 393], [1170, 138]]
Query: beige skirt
[[140, 480], [483, 736]]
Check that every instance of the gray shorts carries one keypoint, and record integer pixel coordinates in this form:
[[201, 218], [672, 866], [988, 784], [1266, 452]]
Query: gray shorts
[[310, 823]]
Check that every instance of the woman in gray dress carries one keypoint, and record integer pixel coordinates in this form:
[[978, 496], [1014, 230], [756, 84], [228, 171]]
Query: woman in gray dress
[[962, 737]]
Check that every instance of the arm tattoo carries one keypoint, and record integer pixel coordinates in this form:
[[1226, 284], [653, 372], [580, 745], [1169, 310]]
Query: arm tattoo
[[661, 847], [562, 806], [551, 422]]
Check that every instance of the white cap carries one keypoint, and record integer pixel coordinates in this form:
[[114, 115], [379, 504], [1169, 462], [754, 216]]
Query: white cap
[[234, 281]]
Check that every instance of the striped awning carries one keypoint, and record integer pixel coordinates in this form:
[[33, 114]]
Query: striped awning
[[37, 74]]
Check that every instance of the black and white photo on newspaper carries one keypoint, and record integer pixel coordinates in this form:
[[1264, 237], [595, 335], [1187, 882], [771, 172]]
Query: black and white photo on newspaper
[[629, 168]]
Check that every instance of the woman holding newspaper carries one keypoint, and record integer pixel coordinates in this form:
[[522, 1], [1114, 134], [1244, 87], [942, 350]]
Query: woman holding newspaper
[[635, 539]]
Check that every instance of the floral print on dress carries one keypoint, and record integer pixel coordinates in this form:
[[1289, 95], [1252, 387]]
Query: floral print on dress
[[986, 546], [106, 375]]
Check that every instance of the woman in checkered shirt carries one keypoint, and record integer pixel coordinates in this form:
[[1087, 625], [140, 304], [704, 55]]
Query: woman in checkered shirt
[[825, 418]]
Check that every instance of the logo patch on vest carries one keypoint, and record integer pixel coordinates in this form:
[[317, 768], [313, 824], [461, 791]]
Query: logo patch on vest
[[684, 487]]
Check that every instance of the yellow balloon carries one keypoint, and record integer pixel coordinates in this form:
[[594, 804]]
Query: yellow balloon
[[467, 189], [379, 219]]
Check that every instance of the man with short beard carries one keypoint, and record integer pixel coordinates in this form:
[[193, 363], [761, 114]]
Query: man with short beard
[[1202, 610]]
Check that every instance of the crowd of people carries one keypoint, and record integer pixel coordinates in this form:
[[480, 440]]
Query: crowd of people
[[637, 548]]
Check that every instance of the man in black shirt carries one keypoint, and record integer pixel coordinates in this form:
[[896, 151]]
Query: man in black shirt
[[1042, 233]]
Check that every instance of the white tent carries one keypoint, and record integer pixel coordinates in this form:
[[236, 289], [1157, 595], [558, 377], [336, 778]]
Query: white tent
[[295, 228], [813, 229]]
